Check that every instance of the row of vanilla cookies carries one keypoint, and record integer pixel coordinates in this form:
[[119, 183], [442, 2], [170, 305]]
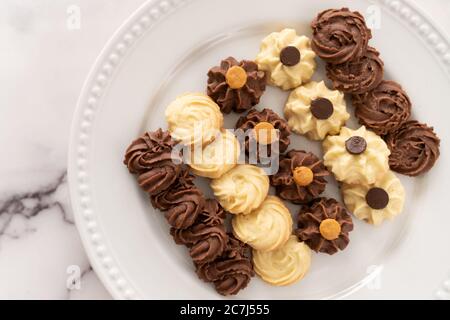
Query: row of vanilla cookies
[[359, 159], [264, 223]]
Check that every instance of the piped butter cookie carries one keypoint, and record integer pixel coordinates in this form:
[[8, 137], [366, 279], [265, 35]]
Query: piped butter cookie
[[242, 189], [287, 59], [285, 265], [194, 119], [356, 156], [266, 228], [315, 111]]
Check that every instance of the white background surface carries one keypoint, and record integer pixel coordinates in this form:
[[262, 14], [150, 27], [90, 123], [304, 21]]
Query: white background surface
[[42, 67]]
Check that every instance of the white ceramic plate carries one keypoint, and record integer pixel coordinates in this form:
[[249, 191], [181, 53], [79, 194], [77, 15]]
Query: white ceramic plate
[[165, 49]]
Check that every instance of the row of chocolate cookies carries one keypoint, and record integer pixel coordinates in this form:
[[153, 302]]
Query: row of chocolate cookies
[[218, 256], [341, 38], [195, 222]]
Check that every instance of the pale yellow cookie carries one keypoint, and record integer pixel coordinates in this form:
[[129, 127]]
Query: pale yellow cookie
[[356, 156], [242, 189], [266, 228], [194, 119], [283, 266], [291, 73], [217, 158], [315, 111], [376, 202]]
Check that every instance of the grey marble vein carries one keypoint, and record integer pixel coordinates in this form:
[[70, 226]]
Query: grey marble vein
[[30, 204]]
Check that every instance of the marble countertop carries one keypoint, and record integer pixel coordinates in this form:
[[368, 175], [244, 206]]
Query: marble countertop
[[46, 55]]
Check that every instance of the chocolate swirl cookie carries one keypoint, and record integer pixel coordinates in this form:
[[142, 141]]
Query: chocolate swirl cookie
[[231, 272], [183, 201], [324, 226], [414, 148], [300, 178], [267, 121], [150, 156], [206, 243], [236, 85], [358, 75], [236, 248], [384, 109], [160, 178], [213, 214], [340, 35]]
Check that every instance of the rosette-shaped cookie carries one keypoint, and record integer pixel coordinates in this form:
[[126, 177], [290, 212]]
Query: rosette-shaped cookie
[[356, 156], [266, 127], [150, 156], [324, 226], [236, 248], [231, 272], [242, 189], [359, 75], [414, 148], [340, 35], [383, 109], [283, 266], [300, 177], [287, 59], [217, 158], [194, 119], [376, 202], [316, 111], [236, 85], [212, 214], [205, 243], [266, 228], [183, 202]]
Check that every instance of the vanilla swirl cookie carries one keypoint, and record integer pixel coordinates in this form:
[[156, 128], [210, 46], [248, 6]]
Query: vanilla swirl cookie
[[376, 202], [194, 118], [356, 156], [242, 189], [266, 228], [316, 111], [285, 265], [287, 59], [216, 158]]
